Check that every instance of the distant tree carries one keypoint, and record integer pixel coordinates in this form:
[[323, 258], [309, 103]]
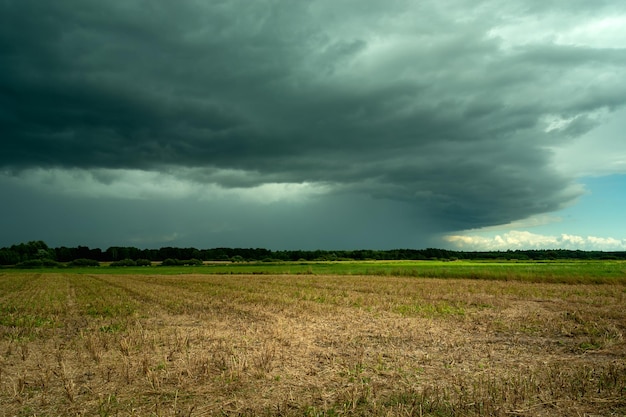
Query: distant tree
[[45, 254], [64, 254], [9, 257], [112, 253]]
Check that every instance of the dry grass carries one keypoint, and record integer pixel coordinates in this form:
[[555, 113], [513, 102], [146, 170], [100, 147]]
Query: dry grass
[[200, 345]]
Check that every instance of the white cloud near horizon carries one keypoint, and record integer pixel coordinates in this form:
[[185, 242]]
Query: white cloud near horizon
[[516, 239]]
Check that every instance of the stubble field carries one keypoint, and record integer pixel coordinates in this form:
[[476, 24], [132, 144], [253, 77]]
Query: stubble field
[[121, 344]]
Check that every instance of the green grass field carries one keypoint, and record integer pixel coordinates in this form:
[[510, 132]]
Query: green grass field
[[544, 271]]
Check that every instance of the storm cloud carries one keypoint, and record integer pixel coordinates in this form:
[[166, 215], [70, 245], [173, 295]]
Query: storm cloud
[[449, 109]]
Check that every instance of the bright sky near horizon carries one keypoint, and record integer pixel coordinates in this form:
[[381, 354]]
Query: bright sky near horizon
[[489, 125]]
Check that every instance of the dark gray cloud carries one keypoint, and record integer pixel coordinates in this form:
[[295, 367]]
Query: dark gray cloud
[[340, 221], [440, 106]]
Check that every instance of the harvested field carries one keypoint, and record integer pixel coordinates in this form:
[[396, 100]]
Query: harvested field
[[294, 345]]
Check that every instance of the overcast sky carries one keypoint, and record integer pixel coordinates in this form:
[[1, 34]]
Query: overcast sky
[[292, 124]]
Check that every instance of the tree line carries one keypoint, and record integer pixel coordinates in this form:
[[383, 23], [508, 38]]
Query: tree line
[[38, 252]]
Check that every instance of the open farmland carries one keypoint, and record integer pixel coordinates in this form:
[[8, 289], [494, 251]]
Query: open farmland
[[204, 344]]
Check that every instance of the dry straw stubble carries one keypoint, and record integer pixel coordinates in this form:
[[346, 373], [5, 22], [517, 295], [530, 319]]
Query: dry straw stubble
[[309, 345]]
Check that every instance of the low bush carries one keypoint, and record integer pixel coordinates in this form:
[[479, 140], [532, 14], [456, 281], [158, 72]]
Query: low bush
[[170, 262], [124, 262], [39, 263], [32, 263], [83, 262], [181, 262]]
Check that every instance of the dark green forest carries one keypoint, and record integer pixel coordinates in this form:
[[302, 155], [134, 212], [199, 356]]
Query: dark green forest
[[38, 253]]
